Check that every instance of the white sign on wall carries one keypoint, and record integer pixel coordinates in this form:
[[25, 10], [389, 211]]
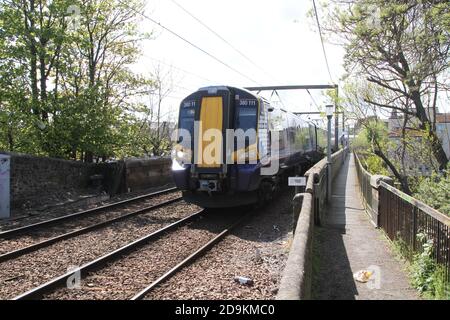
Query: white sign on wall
[[5, 161], [297, 181]]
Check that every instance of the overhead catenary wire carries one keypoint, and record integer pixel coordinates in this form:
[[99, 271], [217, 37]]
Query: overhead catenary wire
[[321, 40], [170, 65], [222, 38], [189, 42]]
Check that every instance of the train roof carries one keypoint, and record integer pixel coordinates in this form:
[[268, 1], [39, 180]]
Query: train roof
[[214, 89]]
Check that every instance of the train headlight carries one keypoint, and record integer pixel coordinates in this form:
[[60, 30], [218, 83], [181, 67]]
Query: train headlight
[[179, 158], [179, 154]]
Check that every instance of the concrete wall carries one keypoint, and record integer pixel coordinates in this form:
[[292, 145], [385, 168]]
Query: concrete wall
[[147, 173], [297, 275]]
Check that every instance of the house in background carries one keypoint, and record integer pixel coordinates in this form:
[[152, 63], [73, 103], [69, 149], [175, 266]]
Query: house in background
[[443, 131]]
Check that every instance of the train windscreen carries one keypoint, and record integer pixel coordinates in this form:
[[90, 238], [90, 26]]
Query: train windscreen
[[187, 116], [246, 118]]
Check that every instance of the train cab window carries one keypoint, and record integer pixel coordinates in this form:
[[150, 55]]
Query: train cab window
[[246, 117], [187, 116]]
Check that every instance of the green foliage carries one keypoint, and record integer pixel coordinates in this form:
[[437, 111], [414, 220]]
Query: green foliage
[[397, 56], [435, 191], [427, 276], [68, 92], [373, 132], [360, 143], [375, 165]]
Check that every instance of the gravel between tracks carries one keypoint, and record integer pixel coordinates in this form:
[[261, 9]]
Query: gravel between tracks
[[31, 216], [257, 249], [125, 277], [33, 269], [42, 233]]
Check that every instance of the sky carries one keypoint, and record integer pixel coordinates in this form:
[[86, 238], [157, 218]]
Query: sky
[[277, 36]]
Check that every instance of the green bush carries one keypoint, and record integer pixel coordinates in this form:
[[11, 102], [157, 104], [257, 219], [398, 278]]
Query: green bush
[[375, 165], [435, 191], [427, 276]]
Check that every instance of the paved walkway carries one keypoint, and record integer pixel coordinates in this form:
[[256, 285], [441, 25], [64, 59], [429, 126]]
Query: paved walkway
[[347, 243]]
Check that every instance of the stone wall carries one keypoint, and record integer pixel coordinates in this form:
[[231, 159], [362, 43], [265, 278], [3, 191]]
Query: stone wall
[[147, 173], [36, 177]]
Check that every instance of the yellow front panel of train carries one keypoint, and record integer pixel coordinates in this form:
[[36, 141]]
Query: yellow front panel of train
[[210, 133]]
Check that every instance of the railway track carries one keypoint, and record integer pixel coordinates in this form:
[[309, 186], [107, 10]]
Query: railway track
[[125, 258], [33, 247], [190, 259], [20, 230], [102, 217], [39, 291]]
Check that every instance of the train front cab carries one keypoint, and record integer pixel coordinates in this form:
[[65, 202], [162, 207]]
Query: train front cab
[[210, 177]]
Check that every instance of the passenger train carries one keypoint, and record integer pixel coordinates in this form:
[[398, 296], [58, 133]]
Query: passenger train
[[234, 148]]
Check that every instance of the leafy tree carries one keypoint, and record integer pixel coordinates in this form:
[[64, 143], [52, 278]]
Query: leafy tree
[[376, 134], [66, 89], [401, 48], [435, 192]]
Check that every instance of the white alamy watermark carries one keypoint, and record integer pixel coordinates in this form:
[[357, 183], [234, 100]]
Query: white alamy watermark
[[239, 147], [373, 19], [74, 280], [375, 279], [74, 17]]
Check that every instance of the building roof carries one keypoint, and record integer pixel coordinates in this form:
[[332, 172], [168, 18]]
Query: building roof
[[443, 118]]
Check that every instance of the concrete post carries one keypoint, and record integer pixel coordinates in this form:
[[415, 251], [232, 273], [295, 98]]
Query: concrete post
[[297, 207], [374, 207], [5, 197]]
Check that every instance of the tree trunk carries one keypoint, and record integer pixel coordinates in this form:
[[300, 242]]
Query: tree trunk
[[88, 157], [29, 27], [425, 124], [33, 77], [402, 179], [43, 84], [10, 139]]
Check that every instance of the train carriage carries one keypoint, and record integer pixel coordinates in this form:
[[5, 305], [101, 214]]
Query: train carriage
[[233, 147]]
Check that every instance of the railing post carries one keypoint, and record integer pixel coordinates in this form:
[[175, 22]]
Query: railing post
[[329, 179], [373, 194], [297, 207]]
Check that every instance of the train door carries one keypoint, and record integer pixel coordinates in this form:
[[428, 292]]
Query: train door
[[210, 133]]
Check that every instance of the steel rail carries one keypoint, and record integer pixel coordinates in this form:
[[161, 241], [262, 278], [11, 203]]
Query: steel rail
[[103, 260], [13, 232], [45, 243], [189, 259]]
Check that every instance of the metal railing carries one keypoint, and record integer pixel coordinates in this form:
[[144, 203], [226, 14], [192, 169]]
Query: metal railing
[[403, 218], [366, 189]]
